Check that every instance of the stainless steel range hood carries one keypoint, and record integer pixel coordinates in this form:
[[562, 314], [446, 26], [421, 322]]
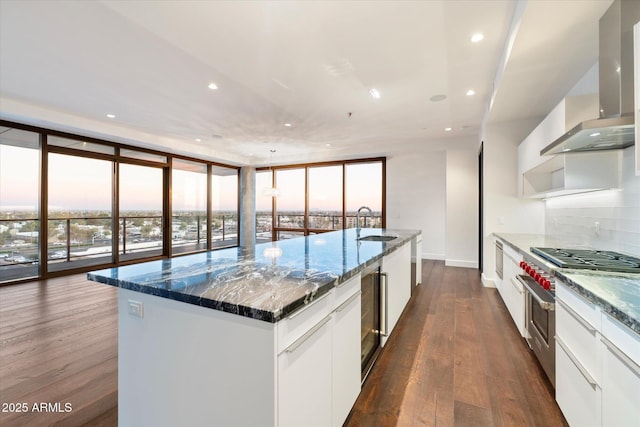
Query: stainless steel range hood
[[615, 128]]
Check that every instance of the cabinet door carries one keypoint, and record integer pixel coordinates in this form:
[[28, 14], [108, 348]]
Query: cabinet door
[[304, 379], [346, 358], [620, 374], [397, 266], [620, 388], [577, 394]]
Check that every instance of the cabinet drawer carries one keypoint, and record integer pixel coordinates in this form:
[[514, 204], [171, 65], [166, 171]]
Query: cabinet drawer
[[579, 304], [580, 337], [298, 323], [346, 289], [622, 337], [579, 398], [512, 255]]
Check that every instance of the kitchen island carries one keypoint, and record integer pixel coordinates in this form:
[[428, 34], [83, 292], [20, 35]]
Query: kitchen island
[[268, 335]]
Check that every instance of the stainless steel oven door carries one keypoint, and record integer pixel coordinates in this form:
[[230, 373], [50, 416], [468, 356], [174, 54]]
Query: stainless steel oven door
[[541, 324]]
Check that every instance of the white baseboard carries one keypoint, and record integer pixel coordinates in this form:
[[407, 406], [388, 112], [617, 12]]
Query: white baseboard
[[437, 257], [461, 263], [487, 282]]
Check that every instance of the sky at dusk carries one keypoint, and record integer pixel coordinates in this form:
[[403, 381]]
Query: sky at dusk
[[77, 183]]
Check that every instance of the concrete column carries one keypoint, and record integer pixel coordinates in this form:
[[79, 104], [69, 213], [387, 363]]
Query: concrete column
[[247, 209]]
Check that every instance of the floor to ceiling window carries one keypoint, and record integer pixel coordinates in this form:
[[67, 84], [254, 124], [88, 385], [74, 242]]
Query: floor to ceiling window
[[96, 204], [316, 198], [189, 206], [325, 198], [140, 211], [290, 203], [79, 208], [19, 203], [364, 187], [224, 206]]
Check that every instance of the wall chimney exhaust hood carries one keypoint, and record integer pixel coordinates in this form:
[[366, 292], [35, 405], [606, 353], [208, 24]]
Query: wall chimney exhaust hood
[[615, 128]]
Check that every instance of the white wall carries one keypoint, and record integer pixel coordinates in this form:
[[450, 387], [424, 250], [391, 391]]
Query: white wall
[[416, 197], [504, 212], [462, 209], [436, 191]]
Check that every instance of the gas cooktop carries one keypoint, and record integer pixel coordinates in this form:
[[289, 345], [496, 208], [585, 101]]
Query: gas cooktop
[[590, 259]]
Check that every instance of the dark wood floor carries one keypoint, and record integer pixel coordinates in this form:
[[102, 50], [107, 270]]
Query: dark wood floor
[[59, 345], [455, 358]]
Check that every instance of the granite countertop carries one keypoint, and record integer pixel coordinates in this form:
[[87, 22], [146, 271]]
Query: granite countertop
[[266, 282], [617, 294]]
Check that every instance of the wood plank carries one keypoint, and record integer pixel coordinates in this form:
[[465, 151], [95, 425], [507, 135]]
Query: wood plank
[[469, 367], [58, 344]]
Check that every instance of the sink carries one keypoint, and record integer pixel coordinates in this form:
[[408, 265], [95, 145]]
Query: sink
[[376, 238]]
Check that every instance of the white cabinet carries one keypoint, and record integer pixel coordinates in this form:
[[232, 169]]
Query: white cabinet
[[197, 366], [319, 370], [397, 268], [304, 379], [577, 394], [597, 369], [620, 375], [568, 113], [573, 173], [510, 289], [346, 358]]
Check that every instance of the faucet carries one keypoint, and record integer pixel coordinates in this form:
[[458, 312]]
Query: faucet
[[358, 217]]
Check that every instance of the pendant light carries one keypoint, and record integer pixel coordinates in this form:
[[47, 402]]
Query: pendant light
[[272, 191]]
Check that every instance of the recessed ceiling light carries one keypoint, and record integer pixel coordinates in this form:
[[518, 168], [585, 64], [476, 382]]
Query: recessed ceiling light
[[438, 98], [595, 134], [477, 37], [198, 140], [111, 116], [374, 93], [471, 92], [566, 149], [288, 125], [213, 86], [327, 145], [447, 129]]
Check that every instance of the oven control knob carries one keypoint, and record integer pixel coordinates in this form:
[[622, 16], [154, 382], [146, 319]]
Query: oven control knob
[[546, 283], [536, 277], [522, 264]]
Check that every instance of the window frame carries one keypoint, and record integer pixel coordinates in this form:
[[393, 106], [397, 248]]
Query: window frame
[[275, 229], [116, 158]]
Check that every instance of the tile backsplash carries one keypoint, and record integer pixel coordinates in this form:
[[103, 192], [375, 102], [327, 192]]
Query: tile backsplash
[[607, 220]]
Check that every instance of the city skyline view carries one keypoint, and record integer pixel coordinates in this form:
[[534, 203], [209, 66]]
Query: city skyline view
[[91, 186]]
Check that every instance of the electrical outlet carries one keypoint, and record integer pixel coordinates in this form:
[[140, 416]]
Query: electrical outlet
[[136, 308]]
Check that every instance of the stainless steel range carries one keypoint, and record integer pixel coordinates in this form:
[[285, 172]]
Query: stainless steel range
[[539, 285], [591, 259]]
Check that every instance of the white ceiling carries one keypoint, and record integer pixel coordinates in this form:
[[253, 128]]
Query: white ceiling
[[66, 65]]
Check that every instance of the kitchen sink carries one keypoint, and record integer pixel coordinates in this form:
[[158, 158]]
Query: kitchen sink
[[376, 238]]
